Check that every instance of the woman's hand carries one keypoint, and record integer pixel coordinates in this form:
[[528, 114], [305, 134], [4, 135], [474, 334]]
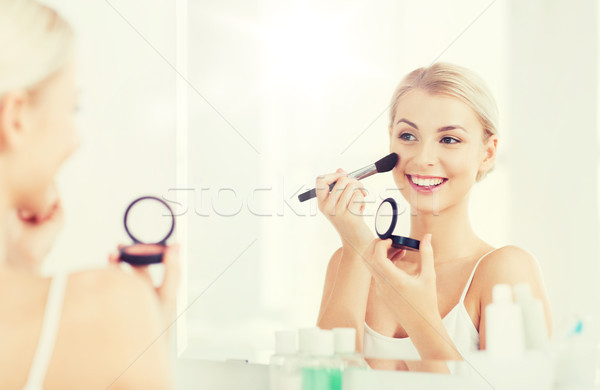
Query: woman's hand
[[166, 292], [31, 234], [411, 298], [344, 206]]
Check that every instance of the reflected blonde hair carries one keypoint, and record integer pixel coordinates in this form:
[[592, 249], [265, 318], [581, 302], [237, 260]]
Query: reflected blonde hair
[[35, 42], [444, 78]]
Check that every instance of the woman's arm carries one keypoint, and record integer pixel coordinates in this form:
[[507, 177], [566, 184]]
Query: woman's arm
[[144, 354], [510, 265], [344, 301], [345, 295]]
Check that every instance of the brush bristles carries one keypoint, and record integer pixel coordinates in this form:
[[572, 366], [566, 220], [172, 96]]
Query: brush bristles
[[387, 163]]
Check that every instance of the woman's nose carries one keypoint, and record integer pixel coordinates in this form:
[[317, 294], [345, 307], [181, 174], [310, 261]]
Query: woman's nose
[[426, 155]]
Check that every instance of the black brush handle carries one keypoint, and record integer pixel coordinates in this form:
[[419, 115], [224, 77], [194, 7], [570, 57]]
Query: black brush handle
[[386, 164], [312, 193]]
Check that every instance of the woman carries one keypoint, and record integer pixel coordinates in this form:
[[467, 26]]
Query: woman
[[427, 304], [93, 329]]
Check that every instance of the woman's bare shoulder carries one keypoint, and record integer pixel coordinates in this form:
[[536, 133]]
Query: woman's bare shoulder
[[508, 264], [511, 265], [117, 315]]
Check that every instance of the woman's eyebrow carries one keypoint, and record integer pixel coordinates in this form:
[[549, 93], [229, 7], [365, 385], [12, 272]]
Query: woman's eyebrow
[[441, 129], [452, 127], [407, 122]]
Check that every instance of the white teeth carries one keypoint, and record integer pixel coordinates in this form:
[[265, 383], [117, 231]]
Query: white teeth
[[426, 182]]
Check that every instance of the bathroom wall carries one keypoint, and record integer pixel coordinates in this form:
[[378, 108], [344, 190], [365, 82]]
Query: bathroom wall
[[554, 134]]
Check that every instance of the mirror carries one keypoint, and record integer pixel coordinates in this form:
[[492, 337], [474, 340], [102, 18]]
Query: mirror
[[311, 99], [385, 219], [149, 220]]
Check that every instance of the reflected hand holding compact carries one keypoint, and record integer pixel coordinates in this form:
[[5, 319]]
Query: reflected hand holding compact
[[149, 221], [385, 224]]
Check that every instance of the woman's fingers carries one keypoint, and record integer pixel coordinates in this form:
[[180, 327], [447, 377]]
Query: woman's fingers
[[170, 285], [395, 254], [322, 184], [167, 290], [356, 204], [383, 267], [143, 271], [113, 259], [351, 198], [426, 251], [334, 196]]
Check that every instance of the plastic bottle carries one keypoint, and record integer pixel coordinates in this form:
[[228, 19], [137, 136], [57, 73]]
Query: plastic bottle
[[534, 320], [321, 370], [345, 348], [285, 364], [504, 324], [304, 340]]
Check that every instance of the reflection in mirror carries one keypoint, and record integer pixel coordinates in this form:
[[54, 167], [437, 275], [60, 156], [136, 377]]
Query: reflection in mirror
[[257, 260]]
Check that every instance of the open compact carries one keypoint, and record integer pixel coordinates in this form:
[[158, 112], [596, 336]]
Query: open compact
[[149, 221], [385, 224]]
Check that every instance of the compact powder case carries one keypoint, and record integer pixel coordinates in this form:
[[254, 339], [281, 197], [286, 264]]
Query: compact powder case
[[149, 221], [385, 223]]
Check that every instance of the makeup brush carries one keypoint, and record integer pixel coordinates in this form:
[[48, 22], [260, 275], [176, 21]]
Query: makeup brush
[[386, 164]]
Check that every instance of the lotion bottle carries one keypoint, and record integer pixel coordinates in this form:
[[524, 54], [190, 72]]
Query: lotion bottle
[[285, 364], [504, 324], [534, 320]]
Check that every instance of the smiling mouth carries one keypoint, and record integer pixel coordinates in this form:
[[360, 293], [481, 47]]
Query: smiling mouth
[[426, 184]]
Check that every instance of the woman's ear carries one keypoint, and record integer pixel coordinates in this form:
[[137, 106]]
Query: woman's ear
[[12, 119], [489, 158]]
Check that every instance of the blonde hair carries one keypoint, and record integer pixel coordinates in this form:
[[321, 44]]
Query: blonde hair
[[452, 80], [35, 42]]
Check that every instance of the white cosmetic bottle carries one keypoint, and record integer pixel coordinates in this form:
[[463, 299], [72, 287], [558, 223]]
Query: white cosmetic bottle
[[503, 324], [321, 370], [534, 320], [285, 364], [345, 348]]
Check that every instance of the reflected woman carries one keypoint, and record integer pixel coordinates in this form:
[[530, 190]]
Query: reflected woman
[[88, 330], [428, 304]]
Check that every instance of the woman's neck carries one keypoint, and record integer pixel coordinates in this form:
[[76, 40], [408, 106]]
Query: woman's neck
[[452, 235]]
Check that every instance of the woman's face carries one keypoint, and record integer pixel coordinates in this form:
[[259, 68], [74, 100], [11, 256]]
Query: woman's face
[[439, 140], [47, 136]]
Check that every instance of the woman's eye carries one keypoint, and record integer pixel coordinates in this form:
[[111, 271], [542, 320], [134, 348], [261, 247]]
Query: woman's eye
[[449, 140], [407, 137]]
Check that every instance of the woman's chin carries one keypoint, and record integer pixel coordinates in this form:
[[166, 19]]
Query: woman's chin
[[420, 210]]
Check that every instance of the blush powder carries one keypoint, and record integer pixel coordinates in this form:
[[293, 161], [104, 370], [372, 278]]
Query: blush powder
[[144, 249]]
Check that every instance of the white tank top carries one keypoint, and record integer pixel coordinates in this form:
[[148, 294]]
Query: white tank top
[[45, 346], [458, 324]]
